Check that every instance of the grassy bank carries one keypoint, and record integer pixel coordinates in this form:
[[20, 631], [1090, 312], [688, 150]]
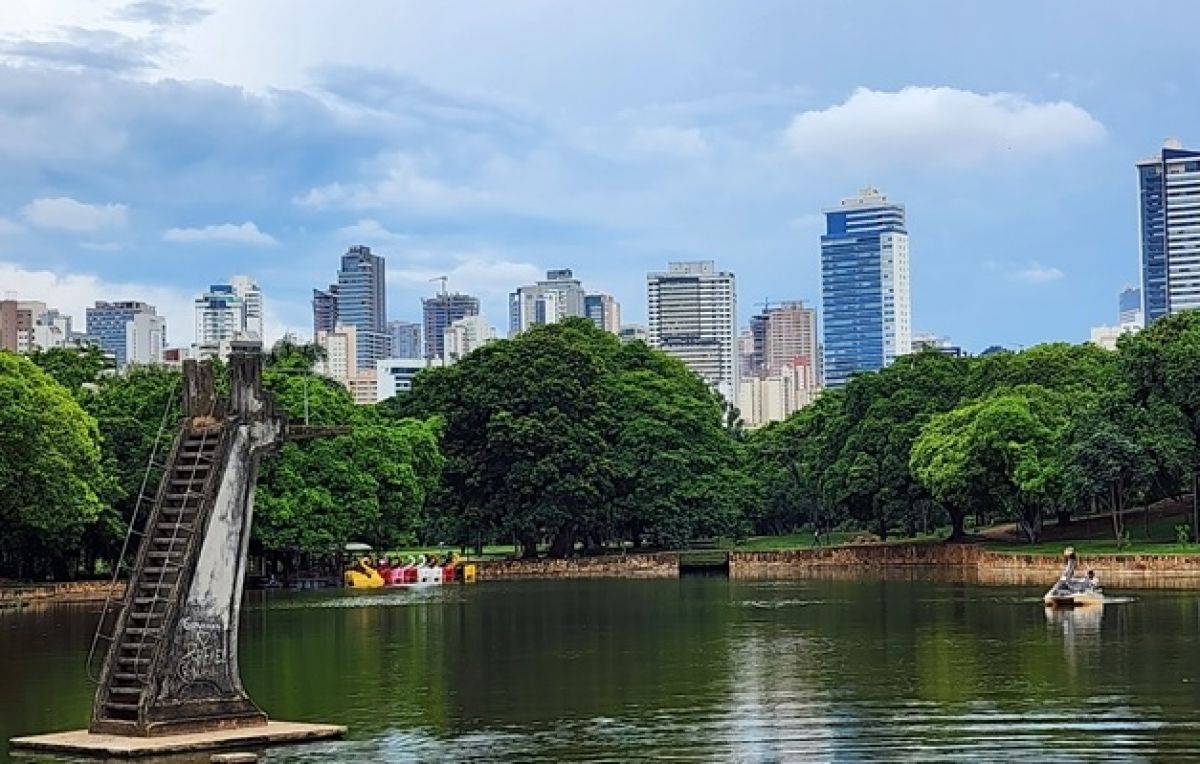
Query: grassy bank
[[1095, 536]]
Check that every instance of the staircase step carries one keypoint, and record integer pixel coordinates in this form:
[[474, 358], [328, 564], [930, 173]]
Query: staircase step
[[123, 661], [125, 691], [164, 570], [121, 706], [157, 554], [151, 601], [124, 676], [148, 631], [147, 616]]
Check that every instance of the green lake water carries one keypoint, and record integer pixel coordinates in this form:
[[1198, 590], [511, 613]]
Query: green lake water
[[697, 669]]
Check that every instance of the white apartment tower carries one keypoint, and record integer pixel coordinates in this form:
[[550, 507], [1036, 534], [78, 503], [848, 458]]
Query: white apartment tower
[[252, 306], [693, 316]]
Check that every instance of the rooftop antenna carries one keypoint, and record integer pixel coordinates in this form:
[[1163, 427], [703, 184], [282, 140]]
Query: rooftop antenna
[[444, 280]]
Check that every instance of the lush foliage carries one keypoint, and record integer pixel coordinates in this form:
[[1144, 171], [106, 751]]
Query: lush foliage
[[1051, 430], [562, 435], [51, 476], [563, 438]]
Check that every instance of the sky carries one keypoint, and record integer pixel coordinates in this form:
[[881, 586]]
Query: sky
[[150, 148]]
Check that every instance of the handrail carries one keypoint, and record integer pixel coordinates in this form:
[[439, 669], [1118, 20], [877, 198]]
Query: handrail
[[187, 497], [172, 399]]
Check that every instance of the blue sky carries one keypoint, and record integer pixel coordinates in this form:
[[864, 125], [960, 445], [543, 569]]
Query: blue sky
[[149, 148]]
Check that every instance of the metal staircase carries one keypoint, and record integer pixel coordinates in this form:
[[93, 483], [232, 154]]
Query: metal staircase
[[157, 581]]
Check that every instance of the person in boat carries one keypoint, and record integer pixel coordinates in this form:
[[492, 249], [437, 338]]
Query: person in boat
[[1093, 581], [1072, 561]]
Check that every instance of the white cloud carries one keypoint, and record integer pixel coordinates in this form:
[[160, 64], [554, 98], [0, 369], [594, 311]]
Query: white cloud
[[683, 142], [1035, 273], [73, 293], [9, 228], [67, 214], [246, 233], [940, 125], [479, 273], [401, 184], [369, 231]]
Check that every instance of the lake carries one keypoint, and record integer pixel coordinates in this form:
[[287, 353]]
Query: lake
[[695, 669]]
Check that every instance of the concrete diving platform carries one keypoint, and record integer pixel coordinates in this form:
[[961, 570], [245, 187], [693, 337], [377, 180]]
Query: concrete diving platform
[[84, 743]]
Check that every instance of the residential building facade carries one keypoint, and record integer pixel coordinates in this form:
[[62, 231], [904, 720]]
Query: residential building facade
[[362, 303], [693, 316], [558, 296], [464, 336], [1169, 186], [406, 339], [394, 376], [106, 325], [439, 312], [604, 311], [1129, 307], [864, 286]]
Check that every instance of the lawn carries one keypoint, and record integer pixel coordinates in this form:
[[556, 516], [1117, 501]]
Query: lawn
[[1095, 536]]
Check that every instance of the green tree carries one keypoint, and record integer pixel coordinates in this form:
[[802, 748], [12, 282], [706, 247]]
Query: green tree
[[564, 435], [678, 467], [73, 367], [368, 485], [134, 411], [51, 478], [1006, 448], [1162, 365]]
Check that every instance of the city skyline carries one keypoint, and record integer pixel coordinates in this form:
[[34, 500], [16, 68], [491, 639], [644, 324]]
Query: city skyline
[[393, 146]]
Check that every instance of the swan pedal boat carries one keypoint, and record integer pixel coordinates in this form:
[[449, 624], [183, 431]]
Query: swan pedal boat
[[1076, 593]]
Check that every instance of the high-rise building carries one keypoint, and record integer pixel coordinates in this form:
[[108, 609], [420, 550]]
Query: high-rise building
[[324, 304], [252, 307], [927, 341], [362, 303], [28, 325], [789, 336], [106, 324], [865, 286], [394, 376], [220, 316], [693, 316], [781, 363], [604, 311], [441, 311], [775, 396], [1130, 307], [145, 339], [341, 353], [1170, 231], [465, 336], [558, 296], [406, 339], [632, 333]]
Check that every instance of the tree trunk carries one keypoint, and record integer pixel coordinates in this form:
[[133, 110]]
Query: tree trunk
[[564, 542], [1062, 516], [957, 518], [528, 547], [1196, 504]]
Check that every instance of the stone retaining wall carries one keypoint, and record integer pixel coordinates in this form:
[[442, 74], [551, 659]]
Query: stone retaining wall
[[665, 565], [70, 591], [968, 562]]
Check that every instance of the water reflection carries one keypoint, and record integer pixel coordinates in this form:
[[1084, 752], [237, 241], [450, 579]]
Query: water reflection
[[693, 670]]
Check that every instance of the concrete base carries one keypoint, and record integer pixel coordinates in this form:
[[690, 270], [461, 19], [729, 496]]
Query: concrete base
[[84, 743]]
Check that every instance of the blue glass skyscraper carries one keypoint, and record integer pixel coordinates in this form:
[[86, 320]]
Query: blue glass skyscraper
[[864, 286], [362, 303], [1169, 187]]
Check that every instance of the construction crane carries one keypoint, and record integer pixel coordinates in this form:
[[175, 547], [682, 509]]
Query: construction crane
[[444, 280]]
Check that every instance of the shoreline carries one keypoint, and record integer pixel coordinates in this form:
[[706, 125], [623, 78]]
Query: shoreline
[[970, 563]]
